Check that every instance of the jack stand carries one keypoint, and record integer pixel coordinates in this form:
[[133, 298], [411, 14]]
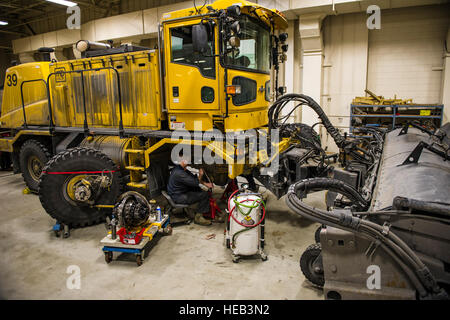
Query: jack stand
[[213, 208], [60, 227]]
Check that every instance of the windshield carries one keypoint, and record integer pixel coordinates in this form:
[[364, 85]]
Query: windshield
[[254, 50]]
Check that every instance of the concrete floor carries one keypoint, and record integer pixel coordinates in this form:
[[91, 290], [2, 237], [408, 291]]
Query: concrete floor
[[185, 265]]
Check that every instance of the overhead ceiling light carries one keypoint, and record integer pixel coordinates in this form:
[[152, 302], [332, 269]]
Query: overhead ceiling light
[[63, 2], [3, 23]]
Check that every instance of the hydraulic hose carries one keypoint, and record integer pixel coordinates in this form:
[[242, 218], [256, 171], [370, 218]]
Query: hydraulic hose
[[333, 185], [351, 225], [418, 273], [302, 99], [439, 208]]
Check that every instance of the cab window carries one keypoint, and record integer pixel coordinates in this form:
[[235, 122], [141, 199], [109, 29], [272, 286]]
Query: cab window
[[183, 53], [254, 51]]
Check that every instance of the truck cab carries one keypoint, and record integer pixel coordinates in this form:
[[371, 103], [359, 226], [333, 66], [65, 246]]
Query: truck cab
[[217, 65]]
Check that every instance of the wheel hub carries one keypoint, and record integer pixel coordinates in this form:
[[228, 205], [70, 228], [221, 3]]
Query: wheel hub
[[78, 188], [82, 192], [35, 167]]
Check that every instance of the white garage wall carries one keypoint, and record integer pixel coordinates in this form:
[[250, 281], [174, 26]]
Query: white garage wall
[[404, 52], [344, 68], [404, 58]]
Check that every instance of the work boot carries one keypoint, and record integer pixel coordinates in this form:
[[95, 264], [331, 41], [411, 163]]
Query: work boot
[[199, 219], [190, 213], [219, 218]]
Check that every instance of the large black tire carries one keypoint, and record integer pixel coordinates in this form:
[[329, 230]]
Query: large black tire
[[306, 264], [32, 158], [52, 187]]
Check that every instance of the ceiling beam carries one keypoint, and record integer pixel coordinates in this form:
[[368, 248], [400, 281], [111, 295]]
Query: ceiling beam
[[92, 5], [12, 32], [2, 17], [40, 18], [47, 16], [12, 6], [38, 2], [29, 28]]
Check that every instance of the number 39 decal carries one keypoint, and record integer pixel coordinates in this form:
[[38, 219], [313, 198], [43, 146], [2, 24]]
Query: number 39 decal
[[11, 80]]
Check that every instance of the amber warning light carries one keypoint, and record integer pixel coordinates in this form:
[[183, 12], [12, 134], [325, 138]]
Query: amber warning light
[[233, 89]]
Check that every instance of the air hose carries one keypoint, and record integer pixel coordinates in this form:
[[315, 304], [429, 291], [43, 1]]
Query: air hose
[[239, 204], [417, 272]]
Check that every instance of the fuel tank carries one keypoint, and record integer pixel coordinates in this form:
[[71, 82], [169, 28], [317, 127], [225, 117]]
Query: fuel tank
[[113, 146]]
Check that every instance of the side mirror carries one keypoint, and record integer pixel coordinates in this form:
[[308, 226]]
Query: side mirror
[[199, 38]]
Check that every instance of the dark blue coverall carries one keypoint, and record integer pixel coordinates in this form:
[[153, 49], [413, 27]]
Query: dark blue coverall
[[183, 188]]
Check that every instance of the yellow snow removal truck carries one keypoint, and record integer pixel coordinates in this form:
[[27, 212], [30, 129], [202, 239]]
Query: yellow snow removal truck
[[81, 131]]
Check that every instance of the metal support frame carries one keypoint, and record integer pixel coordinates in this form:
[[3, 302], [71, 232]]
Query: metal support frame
[[113, 249], [414, 156], [162, 72], [415, 125], [404, 129]]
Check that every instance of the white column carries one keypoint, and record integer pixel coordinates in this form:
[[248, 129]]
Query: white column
[[312, 83], [346, 41], [312, 48]]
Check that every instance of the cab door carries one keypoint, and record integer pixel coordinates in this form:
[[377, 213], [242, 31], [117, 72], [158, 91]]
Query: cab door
[[191, 77]]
